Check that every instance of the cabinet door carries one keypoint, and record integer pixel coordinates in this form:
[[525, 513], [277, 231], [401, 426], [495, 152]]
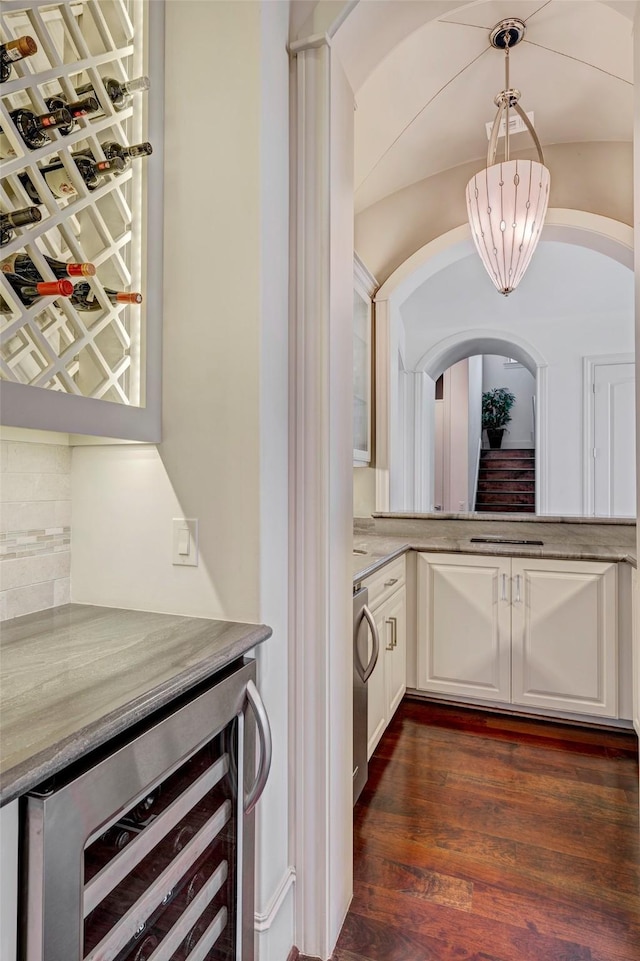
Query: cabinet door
[[395, 659], [564, 635], [9, 881], [92, 367], [464, 625], [376, 688]]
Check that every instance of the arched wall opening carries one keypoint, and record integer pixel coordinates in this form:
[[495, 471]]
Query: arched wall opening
[[467, 474], [578, 243]]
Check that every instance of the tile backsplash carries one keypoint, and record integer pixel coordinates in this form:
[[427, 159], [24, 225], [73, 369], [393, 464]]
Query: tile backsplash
[[35, 527]]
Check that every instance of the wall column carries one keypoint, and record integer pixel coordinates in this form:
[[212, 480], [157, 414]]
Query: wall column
[[321, 445], [419, 400]]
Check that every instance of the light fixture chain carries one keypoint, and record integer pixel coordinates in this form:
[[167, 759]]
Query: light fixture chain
[[507, 88]]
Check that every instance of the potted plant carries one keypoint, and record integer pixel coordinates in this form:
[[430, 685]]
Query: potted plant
[[496, 413]]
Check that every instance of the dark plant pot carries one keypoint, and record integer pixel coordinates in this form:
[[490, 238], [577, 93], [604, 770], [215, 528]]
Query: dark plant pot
[[495, 437]]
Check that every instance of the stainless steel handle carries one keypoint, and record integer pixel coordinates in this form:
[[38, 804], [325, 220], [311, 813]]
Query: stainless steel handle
[[391, 582], [389, 646], [368, 671], [394, 632], [266, 747], [503, 596], [517, 598]]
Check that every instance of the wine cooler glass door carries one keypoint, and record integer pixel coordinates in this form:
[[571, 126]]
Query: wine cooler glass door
[[153, 847]]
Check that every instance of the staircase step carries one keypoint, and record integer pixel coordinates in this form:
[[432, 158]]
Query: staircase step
[[499, 474], [489, 452], [507, 480], [508, 484], [504, 508], [505, 497], [508, 463]]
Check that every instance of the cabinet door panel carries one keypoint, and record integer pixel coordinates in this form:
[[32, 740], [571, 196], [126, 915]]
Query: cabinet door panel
[[396, 658], [464, 625], [376, 689], [564, 636]]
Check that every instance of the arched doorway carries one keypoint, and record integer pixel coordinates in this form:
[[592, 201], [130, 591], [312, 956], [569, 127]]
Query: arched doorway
[[418, 486], [583, 244], [468, 473]]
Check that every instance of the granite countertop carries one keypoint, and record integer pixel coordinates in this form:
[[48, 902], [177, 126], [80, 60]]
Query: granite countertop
[[73, 677], [384, 537]]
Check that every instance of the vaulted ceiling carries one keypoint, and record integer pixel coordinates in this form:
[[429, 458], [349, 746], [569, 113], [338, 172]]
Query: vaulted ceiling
[[425, 75]]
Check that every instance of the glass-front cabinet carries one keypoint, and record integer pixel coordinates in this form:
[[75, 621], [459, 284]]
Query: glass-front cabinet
[[363, 289], [81, 104]]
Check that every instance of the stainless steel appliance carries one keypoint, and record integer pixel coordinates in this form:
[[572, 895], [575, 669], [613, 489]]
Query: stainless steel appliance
[[362, 622], [148, 854]]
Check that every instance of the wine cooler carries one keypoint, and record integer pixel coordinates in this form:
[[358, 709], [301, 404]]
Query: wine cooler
[[148, 854]]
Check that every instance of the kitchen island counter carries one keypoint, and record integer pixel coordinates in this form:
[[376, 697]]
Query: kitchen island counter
[[74, 677], [379, 539]]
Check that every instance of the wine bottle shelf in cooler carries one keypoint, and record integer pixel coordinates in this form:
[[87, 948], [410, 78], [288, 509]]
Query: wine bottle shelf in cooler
[[51, 344]]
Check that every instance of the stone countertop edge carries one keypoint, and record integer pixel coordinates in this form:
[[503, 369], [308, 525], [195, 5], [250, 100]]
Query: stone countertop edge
[[225, 642], [565, 552], [523, 518]]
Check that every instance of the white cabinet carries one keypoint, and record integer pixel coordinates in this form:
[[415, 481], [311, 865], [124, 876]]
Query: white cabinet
[[395, 650], [564, 636], [387, 684], [376, 696], [8, 880], [541, 633], [95, 368], [464, 625]]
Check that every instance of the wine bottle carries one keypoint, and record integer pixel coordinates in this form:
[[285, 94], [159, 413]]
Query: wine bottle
[[79, 108], [114, 149], [144, 951], [59, 181], [22, 264], [29, 292], [118, 91], [33, 128], [17, 218], [14, 50], [84, 298]]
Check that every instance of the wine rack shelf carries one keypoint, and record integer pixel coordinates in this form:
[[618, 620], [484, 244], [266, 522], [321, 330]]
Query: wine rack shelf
[[64, 368]]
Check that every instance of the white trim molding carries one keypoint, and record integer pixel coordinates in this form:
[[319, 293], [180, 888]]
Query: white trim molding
[[321, 497], [264, 920], [589, 363]]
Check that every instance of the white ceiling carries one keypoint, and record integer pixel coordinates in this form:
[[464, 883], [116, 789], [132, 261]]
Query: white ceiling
[[425, 76]]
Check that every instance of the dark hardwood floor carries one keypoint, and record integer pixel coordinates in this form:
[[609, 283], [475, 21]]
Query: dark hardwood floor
[[485, 837]]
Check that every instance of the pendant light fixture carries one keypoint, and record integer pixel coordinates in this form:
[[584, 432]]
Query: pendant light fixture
[[507, 202]]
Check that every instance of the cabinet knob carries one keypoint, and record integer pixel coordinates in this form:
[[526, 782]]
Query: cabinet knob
[[391, 582]]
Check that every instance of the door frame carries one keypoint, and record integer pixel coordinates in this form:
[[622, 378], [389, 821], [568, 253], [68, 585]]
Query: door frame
[[589, 364]]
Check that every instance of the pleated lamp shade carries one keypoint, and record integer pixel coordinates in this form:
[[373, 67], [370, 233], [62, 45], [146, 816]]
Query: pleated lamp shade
[[506, 205]]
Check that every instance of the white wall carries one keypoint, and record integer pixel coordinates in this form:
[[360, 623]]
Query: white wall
[[571, 303], [35, 521], [456, 437], [476, 365], [223, 458], [523, 385]]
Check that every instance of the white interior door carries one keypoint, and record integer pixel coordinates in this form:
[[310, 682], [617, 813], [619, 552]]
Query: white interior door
[[614, 477]]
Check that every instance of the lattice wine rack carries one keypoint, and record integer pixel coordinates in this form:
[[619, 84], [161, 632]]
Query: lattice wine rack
[[97, 353]]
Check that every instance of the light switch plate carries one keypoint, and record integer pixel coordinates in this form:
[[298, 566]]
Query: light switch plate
[[185, 542]]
